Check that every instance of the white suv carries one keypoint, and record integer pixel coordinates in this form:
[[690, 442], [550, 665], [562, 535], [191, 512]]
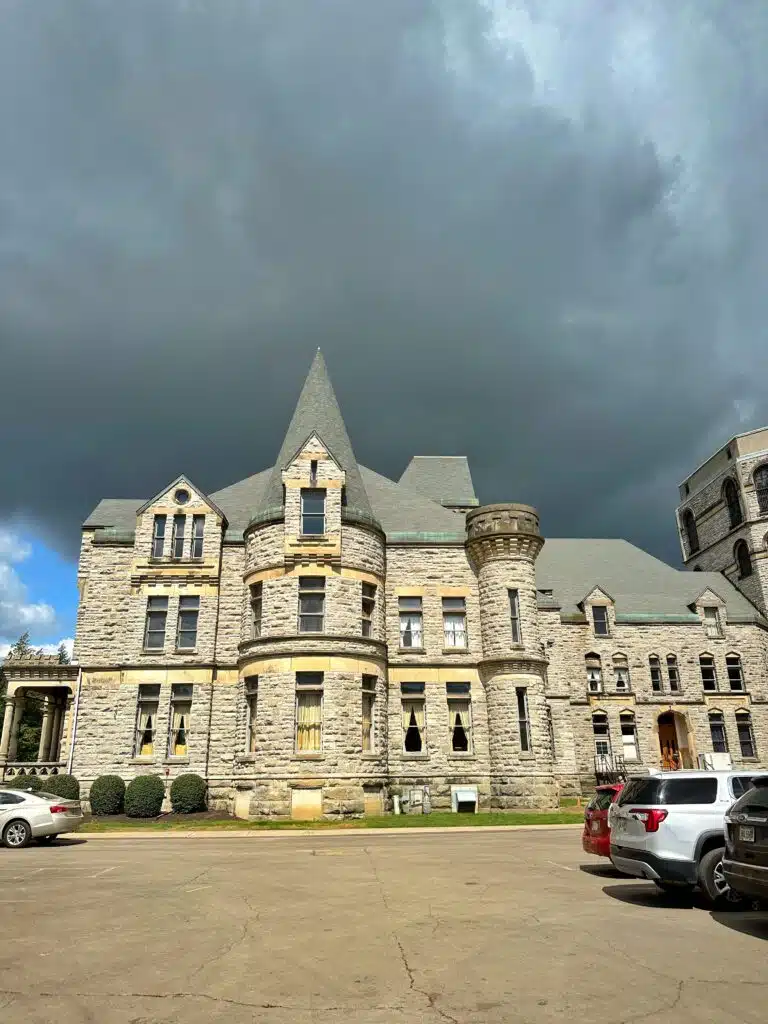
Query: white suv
[[669, 827]]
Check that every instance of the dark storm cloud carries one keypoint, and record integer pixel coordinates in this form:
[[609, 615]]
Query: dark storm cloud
[[531, 233]]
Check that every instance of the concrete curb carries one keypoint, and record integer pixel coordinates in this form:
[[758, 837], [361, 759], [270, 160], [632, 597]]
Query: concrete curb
[[311, 832]]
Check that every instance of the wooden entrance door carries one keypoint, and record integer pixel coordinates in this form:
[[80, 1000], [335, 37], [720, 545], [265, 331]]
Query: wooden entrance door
[[671, 759]]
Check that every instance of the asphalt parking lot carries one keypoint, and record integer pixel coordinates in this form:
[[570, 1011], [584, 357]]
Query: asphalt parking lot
[[371, 928]]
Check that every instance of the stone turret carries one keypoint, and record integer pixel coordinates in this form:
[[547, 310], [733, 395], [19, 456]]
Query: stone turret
[[503, 542]]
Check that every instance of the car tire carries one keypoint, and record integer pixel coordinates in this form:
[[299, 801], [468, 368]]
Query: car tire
[[17, 834], [712, 881], [679, 888]]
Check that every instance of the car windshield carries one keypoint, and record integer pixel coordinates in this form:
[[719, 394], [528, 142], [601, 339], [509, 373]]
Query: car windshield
[[51, 796], [669, 791]]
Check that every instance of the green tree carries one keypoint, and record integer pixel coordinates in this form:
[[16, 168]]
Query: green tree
[[22, 647], [63, 654]]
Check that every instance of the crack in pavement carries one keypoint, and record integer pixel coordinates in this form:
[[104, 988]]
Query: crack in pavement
[[250, 920], [658, 1009]]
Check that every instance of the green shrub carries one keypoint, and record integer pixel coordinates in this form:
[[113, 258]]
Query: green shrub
[[188, 794], [144, 796], [107, 795], [29, 783], [65, 786]]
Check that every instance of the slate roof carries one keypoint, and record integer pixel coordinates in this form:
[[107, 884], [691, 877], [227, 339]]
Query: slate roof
[[317, 412], [445, 479]]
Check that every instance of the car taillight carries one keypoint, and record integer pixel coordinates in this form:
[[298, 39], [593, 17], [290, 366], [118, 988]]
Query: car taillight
[[650, 818], [58, 809]]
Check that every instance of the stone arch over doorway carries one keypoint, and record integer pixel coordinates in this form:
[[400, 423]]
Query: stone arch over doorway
[[675, 739]]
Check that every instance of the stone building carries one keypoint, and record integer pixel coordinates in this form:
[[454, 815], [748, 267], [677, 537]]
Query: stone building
[[319, 639]]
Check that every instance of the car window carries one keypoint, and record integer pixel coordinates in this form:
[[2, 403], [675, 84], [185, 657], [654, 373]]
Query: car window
[[740, 784], [669, 791], [643, 791], [50, 796], [10, 798], [753, 800]]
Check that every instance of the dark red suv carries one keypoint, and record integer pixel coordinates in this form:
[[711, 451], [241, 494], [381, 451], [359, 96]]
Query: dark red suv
[[596, 837]]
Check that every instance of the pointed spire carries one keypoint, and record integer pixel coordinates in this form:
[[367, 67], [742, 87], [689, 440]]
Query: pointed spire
[[317, 411]]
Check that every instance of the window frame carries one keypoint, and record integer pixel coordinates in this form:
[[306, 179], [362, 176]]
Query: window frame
[[691, 532], [368, 693], [158, 535], [716, 720], [306, 518], [760, 476], [672, 664], [600, 719], [182, 694], [251, 695], [256, 602], [655, 670], [743, 559], [710, 658], [187, 609], [306, 592], [367, 608], [309, 683], [197, 541], [593, 663], [413, 694], [744, 721], [514, 615], [416, 613], [458, 616], [621, 666], [733, 503], [148, 694], [525, 735], [457, 693], [603, 621], [178, 536], [159, 609], [628, 719], [734, 671], [712, 624]]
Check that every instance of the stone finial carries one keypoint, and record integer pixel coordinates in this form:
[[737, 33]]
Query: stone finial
[[507, 530]]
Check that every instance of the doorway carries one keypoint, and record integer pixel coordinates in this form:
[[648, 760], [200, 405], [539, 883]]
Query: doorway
[[674, 744]]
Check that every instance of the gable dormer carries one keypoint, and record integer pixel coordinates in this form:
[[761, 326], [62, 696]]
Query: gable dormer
[[178, 533], [313, 487], [711, 609], [600, 611]]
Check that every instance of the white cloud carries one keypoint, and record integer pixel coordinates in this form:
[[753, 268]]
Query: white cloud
[[12, 547], [17, 614], [68, 642]]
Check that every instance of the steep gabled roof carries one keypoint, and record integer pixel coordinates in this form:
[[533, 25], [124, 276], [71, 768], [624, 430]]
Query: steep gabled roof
[[445, 479], [317, 412], [181, 480]]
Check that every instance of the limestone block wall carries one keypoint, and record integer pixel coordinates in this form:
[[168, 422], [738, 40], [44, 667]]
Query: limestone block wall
[[105, 609], [233, 604], [495, 580]]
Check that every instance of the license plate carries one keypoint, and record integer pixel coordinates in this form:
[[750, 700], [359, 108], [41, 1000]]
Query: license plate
[[746, 834], [595, 826]]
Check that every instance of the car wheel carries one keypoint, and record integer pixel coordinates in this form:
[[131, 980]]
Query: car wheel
[[676, 887], [17, 834], [712, 881]]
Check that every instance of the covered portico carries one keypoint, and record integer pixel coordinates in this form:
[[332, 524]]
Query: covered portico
[[40, 682]]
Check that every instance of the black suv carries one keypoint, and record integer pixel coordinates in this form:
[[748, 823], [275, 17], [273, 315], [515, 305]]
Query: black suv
[[745, 863]]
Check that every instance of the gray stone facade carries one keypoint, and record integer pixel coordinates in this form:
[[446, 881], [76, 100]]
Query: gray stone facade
[[403, 693]]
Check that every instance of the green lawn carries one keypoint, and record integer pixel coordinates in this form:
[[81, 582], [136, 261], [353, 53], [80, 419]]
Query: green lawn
[[438, 819]]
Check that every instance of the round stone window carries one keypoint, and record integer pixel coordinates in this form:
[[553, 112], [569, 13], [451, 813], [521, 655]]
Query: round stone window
[[181, 497]]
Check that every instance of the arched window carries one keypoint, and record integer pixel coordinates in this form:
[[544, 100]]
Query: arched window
[[594, 673], [761, 487], [621, 673], [735, 672], [717, 731], [691, 533], [708, 674], [746, 736], [628, 736], [743, 559], [674, 674], [731, 498], [602, 740], [655, 666]]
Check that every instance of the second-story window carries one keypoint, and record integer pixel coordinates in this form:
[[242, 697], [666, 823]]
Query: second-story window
[[708, 674], [761, 488], [410, 621], [455, 621], [743, 559], [158, 536], [594, 673], [369, 703], [177, 542], [189, 610], [198, 530], [256, 608], [735, 673], [368, 607], [312, 511], [674, 673], [731, 497], [514, 615], [311, 604], [178, 726], [154, 627], [600, 619], [655, 667], [621, 673]]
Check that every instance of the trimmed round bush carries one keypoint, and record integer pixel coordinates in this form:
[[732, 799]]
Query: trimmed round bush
[[29, 783], [144, 796], [107, 795], [65, 786], [188, 793]]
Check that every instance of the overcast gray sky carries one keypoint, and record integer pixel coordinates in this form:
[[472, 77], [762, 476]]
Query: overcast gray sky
[[531, 232]]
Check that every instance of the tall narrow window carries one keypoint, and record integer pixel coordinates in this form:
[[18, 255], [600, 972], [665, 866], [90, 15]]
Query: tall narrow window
[[712, 621], [674, 673], [177, 540], [594, 673], [189, 610], [309, 712], [735, 673], [256, 591], [690, 531], [717, 732], [154, 628], [523, 719], [312, 511], [743, 559], [369, 703], [158, 536], [198, 531], [181, 710], [459, 717], [146, 720], [414, 720], [602, 737], [745, 733], [708, 674], [761, 488], [628, 736], [410, 621], [621, 673], [514, 615], [251, 709], [455, 621], [311, 604], [368, 608], [600, 618], [655, 666], [731, 497]]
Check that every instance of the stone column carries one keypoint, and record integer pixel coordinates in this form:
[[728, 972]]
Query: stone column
[[5, 736], [18, 711], [43, 750], [503, 542], [58, 717]]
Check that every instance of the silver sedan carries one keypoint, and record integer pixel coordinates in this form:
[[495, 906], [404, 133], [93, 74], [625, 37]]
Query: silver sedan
[[40, 816]]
